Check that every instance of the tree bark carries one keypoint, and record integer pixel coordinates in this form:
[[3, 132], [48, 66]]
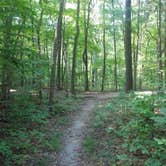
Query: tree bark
[[128, 52], [137, 47], [39, 52], [85, 52], [59, 43], [56, 52], [159, 51], [115, 51], [73, 76], [104, 49], [165, 43]]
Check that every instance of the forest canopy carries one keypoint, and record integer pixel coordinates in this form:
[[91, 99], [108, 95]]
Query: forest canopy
[[84, 42]]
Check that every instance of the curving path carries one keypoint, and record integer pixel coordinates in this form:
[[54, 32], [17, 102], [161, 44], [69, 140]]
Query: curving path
[[70, 155]]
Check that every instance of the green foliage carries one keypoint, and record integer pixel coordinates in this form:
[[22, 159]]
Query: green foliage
[[90, 144], [124, 157], [136, 128], [63, 105], [5, 150], [141, 129], [153, 162], [27, 31], [160, 141], [14, 151], [28, 131], [41, 162], [100, 118], [52, 143], [24, 111], [160, 118]]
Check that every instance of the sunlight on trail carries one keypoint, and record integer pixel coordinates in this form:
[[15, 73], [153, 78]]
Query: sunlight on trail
[[149, 93]]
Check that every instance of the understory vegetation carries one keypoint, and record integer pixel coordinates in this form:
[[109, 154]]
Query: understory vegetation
[[29, 133], [129, 130]]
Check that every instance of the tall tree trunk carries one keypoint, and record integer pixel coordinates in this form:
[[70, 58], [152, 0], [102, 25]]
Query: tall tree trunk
[[128, 52], [33, 46], [165, 43], [85, 52], [137, 47], [56, 52], [104, 49], [67, 68], [115, 52], [59, 44], [159, 51], [63, 54], [73, 76], [39, 52], [63, 64]]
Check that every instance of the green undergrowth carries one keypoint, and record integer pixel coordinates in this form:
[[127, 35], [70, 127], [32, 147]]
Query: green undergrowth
[[129, 130], [29, 130]]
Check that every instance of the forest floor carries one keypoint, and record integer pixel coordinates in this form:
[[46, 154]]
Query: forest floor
[[89, 129], [71, 153]]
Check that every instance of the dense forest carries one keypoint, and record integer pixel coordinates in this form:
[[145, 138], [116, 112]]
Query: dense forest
[[53, 53]]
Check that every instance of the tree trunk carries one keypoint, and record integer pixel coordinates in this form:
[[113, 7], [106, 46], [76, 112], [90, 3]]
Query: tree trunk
[[73, 76], [104, 49], [159, 51], [128, 52], [33, 46], [137, 47], [165, 44], [39, 53], [56, 52], [59, 43], [115, 52], [85, 52]]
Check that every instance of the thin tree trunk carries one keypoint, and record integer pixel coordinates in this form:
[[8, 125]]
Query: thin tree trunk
[[165, 44], [63, 55], [115, 52], [85, 52], [159, 51], [137, 47], [62, 63], [33, 46], [67, 68], [93, 77], [104, 49], [134, 63], [73, 76], [39, 53]]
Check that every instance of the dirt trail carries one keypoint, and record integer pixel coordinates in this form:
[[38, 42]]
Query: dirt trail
[[70, 154]]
